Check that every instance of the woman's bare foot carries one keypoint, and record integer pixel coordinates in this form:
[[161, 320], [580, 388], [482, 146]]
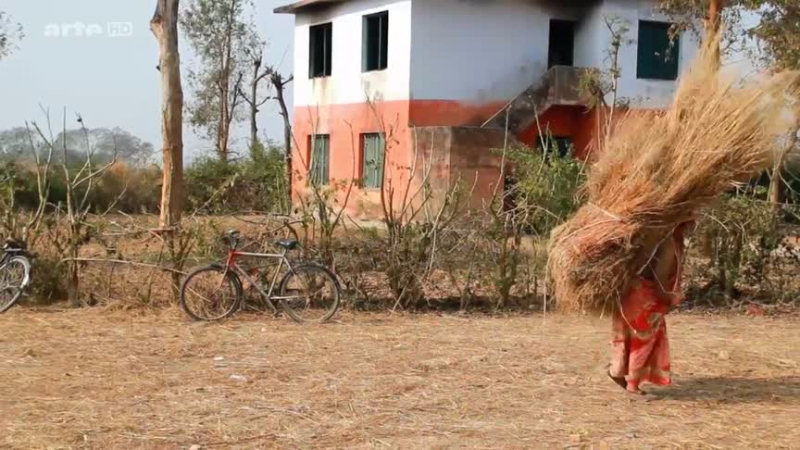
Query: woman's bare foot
[[634, 390], [634, 393]]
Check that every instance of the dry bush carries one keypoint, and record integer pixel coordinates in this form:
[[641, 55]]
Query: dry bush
[[656, 170], [741, 252]]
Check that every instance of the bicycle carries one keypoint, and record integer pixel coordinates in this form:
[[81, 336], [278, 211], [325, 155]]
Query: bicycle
[[307, 293], [15, 273]]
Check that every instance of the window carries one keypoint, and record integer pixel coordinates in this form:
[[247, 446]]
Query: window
[[658, 52], [320, 158], [376, 42], [320, 50], [562, 43], [373, 148], [560, 145]]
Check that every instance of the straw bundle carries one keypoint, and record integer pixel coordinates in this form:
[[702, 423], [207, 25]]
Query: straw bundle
[[655, 171]]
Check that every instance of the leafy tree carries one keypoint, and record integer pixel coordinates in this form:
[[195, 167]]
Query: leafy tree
[[778, 35], [15, 143], [220, 35], [778, 32], [104, 143], [10, 33]]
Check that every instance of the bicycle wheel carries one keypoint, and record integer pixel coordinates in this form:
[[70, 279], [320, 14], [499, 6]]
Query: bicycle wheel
[[14, 277], [309, 293], [211, 293]]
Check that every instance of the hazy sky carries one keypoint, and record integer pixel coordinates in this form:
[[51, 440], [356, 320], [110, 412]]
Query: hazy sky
[[110, 80]]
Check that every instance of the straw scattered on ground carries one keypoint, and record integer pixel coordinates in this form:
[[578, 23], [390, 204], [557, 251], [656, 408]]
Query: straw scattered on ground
[[94, 379]]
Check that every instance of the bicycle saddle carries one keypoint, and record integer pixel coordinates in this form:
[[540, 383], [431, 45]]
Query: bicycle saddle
[[288, 244], [13, 246]]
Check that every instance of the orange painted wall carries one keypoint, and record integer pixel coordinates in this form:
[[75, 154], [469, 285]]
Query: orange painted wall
[[580, 124], [346, 123], [565, 121], [436, 113]]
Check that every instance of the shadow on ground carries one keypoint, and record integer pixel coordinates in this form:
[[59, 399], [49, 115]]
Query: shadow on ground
[[735, 390]]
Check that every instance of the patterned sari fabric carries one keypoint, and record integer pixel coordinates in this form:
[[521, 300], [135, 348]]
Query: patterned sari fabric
[[640, 344]]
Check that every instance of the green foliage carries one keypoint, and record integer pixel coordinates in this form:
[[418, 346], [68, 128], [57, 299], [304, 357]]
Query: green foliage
[[778, 31], [221, 36], [545, 186], [257, 183]]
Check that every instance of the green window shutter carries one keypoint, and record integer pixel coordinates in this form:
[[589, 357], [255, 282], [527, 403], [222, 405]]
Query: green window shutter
[[326, 152], [372, 165], [312, 172], [320, 159], [657, 54]]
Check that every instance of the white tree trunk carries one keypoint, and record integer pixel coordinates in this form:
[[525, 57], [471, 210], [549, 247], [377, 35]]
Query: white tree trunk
[[165, 28]]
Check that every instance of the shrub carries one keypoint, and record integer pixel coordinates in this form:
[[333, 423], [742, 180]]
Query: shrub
[[545, 186], [257, 183], [737, 237]]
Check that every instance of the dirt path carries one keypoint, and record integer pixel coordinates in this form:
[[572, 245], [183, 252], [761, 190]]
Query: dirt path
[[93, 379]]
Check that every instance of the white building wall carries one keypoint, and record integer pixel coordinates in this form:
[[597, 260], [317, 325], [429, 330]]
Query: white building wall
[[590, 31], [347, 84], [642, 93], [470, 51], [487, 51], [476, 51]]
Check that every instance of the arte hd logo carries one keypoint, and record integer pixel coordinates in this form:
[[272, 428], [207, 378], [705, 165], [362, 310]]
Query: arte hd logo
[[88, 30]]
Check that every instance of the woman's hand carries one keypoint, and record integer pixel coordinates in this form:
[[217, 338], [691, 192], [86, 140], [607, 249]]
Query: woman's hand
[[677, 299]]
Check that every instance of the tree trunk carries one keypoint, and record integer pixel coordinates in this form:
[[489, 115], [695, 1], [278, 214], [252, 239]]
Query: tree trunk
[[713, 24], [222, 127], [280, 86], [73, 277], [254, 103], [776, 195], [165, 28], [776, 186]]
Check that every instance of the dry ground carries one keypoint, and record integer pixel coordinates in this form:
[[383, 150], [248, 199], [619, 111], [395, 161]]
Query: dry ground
[[96, 379]]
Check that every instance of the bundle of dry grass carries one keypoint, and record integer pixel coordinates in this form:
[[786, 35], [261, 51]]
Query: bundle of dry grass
[[655, 171]]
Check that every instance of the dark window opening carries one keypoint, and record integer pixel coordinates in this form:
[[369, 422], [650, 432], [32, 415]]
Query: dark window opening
[[557, 145], [376, 42], [320, 50], [372, 153], [320, 152], [562, 43], [658, 52]]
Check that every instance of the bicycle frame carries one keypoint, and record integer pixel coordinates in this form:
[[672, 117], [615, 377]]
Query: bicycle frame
[[230, 264]]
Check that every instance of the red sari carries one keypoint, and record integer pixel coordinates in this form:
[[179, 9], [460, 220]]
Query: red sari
[[640, 344]]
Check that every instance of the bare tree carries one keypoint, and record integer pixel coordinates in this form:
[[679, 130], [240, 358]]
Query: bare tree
[[20, 225], [279, 83], [254, 100], [72, 230], [598, 85]]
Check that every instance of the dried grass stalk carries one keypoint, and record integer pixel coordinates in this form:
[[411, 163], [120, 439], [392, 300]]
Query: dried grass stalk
[[656, 170]]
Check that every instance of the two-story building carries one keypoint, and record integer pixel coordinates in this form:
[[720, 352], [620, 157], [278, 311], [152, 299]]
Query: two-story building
[[425, 83]]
